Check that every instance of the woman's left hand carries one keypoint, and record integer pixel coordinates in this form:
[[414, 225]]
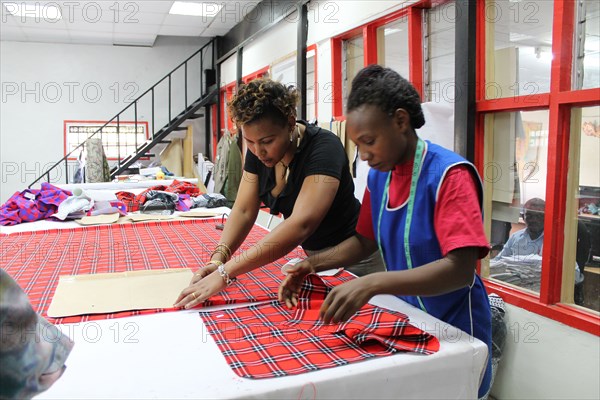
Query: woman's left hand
[[200, 291]]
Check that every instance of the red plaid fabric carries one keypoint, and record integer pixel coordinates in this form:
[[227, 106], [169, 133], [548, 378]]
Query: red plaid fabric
[[182, 187], [134, 202], [129, 199], [268, 340], [36, 259]]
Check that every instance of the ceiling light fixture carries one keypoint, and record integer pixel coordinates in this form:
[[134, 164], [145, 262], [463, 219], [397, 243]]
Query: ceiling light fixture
[[48, 12], [208, 9]]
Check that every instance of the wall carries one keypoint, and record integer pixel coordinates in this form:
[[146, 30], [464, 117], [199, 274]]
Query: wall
[[544, 359], [57, 82]]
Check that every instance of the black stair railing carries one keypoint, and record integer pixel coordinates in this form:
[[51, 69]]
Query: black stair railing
[[159, 112]]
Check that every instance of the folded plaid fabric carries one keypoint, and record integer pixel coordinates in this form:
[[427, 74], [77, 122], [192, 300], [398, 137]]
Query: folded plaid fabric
[[268, 340], [32, 204]]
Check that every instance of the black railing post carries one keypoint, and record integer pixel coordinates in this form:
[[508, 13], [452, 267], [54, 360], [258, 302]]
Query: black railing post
[[67, 170], [153, 130], [118, 141], [185, 84], [135, 124], [169, 97]]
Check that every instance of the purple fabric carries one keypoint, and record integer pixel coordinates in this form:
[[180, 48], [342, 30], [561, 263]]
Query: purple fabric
[[32, 204], [184, 203]]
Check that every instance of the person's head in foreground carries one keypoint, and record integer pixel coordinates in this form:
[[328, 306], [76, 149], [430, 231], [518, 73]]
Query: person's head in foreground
[[384, 110], [32, 351]]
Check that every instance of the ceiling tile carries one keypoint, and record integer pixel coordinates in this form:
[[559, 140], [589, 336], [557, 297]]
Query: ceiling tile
[[40, 23], [161, 7], [186, 20], [143, 18], [134, 28], [83, 26], [134, 39]]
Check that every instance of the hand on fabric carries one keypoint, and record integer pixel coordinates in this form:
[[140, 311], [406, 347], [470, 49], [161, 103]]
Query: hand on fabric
[[346, 299], [200, 291], [203, 272], [290, 287]]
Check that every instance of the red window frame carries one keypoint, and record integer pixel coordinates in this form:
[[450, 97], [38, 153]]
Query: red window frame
[[413, 13], [559, 103]]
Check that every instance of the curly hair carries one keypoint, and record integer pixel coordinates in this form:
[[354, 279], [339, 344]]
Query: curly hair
[[387, 90], [263, 98]]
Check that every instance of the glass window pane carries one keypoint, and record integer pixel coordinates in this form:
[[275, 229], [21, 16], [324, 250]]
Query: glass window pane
[[392, 46], [515, 178], [439, 57], [353, 53], [582, 233], [311, 109], [518, 64], [587, 60]]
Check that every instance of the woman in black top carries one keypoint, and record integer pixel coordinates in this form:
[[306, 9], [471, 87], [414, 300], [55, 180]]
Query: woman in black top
[[296, 169]]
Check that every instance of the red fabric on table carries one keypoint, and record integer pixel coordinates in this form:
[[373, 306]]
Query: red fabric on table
[[37, 259], [268, 340]]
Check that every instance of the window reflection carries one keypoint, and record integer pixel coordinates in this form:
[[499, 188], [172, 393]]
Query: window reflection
[[392, 48], [521, 58], [353, 53], [515, 179], [583, 215]]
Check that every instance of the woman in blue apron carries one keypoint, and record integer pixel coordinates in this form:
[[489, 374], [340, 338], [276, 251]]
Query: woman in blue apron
[[421, 209]]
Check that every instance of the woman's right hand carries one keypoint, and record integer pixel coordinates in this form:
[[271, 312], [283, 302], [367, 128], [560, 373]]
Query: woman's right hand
[[289, 289], [203, 272]]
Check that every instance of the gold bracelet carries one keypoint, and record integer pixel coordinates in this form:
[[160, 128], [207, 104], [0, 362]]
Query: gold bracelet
[[215, 262], [226, 248], [219, 251]]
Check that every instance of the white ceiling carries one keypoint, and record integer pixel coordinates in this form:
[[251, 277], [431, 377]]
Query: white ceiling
[[111, 22]]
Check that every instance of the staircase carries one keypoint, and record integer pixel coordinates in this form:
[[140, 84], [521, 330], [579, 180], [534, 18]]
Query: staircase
[[173, 91]]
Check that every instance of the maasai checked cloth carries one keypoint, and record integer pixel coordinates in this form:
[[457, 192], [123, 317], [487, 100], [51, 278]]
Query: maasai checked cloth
[[32, 204], [36, 259], [268, 340], [134, 202]]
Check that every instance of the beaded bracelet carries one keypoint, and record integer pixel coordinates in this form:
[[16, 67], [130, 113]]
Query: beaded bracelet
[[225, 275]]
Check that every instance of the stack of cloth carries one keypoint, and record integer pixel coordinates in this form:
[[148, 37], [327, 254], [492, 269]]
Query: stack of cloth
[[522, 271]]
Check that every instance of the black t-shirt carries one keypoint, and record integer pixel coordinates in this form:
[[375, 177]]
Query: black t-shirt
[[320, 153]]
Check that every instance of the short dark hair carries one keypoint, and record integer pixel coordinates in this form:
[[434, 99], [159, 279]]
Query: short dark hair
[[263, 98], [387, 90]]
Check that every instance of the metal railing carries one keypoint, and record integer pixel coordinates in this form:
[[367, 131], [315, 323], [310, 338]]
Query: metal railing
[[193, 84]]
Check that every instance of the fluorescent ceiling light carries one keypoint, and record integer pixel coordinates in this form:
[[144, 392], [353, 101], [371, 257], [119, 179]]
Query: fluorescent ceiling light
[[33, 10], [195, 9]]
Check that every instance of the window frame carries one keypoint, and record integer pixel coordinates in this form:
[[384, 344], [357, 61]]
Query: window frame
[[66, 143], [559, 102], [368, 31]]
